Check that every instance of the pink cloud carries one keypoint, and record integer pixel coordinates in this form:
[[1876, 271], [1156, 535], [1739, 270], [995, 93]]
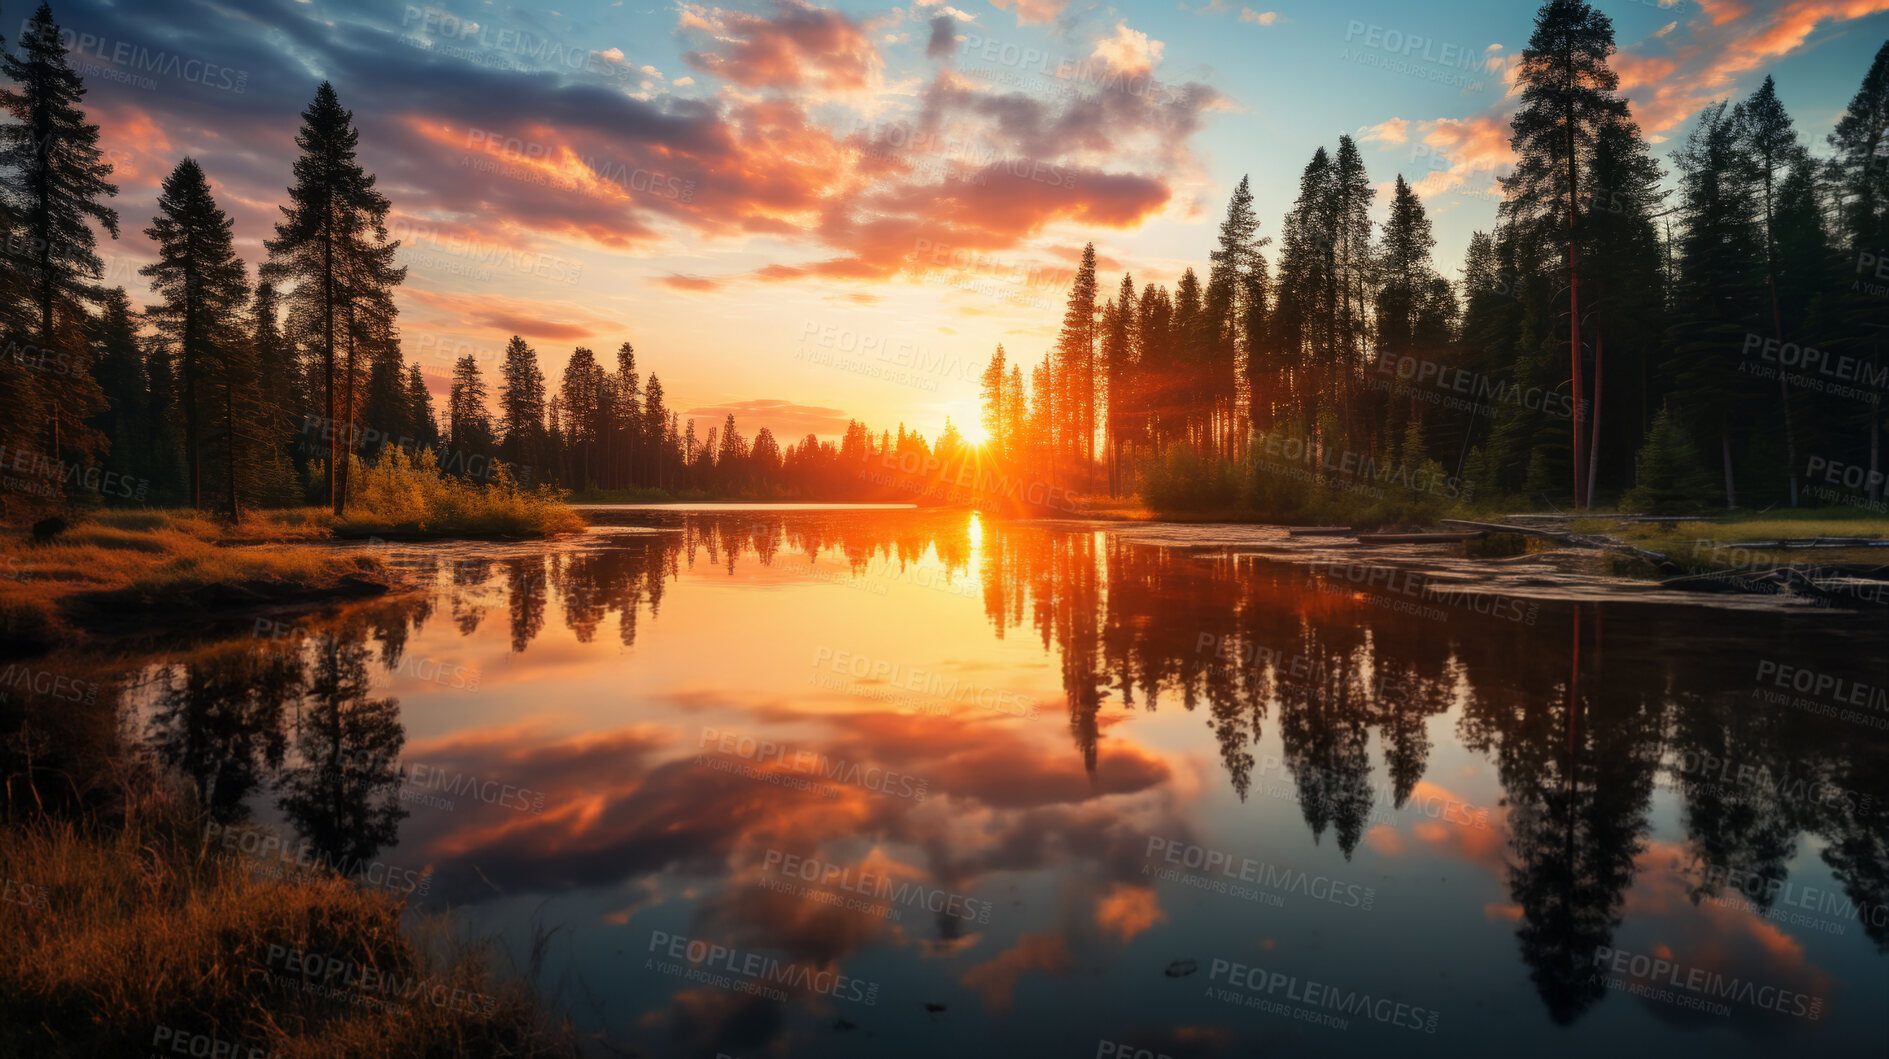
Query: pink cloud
[[1670, 76], [1667, 78], [1032, 10], [800, 45]]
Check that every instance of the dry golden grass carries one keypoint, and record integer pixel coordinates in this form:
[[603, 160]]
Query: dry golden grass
[[139, 561], [1707, 545], [111, 564], [406, 497], [113, 939]]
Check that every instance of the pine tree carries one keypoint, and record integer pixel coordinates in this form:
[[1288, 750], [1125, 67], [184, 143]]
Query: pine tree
[[1852, 320], [991, 401], [1404, 258], [119, 365], [1721, 269], [765, 457], [657, 428], [1568, 96], [521, 404], [420, 410], [1235, 261], [1623, 295], [1041, 440], [385, 409], [202, 287], [1671, 479], [469, 426], [1306, 304], [331, 242], [282, 397], [238, 411], [1350, 210], [1187, 349], [581, 394], [626, 421], [1263, 382], [1016, 411], [1118, 369], [1861, 166], [55, 192], [1075, 367], [162, 435], [1769, 140]]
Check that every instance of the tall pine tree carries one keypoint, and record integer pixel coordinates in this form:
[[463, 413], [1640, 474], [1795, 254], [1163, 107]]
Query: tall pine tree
[[202, 289], [331, 243], [55, 194]]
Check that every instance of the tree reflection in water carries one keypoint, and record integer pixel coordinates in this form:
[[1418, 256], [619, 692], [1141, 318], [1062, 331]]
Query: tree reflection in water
[[1582, 713]]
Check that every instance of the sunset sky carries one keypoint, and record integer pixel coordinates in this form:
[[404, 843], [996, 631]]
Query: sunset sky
[[805, 213]]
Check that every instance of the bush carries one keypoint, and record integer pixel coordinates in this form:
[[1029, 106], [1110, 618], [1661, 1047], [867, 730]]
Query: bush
[[1415, 490], [1181, 479], [1671, 480], [405, 496]]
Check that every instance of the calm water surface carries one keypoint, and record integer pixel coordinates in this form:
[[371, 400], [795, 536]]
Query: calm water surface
[[836, 783]]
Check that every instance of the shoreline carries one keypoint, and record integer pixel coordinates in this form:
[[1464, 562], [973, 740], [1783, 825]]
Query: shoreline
[[110, 573], [119, 572]]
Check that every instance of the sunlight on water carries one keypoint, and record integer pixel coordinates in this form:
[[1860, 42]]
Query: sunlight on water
[[841, 782]]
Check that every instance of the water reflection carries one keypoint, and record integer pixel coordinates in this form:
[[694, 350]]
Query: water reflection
[[1644, 799]]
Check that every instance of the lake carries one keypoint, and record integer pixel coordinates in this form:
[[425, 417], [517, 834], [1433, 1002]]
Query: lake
[[764, 782]]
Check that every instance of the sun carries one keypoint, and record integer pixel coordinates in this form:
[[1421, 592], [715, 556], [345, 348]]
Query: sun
[[968, 420]]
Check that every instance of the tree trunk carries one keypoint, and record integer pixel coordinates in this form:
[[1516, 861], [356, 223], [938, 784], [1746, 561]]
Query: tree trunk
[[328, 366], [229, 435], [1574, 289], [1593, 448], [1875, 438], [347, 454], [191, 428], [1875, 452], [1777, 326]]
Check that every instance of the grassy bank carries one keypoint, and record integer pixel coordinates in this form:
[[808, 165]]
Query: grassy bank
[[117, 566], [1736, 540], [128, 941]]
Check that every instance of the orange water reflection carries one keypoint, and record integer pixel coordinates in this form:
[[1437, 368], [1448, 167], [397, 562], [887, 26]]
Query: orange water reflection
[[995, 719]]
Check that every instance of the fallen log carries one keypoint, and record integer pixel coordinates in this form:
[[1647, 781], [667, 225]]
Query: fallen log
[[1526, 531], [1417, 538]]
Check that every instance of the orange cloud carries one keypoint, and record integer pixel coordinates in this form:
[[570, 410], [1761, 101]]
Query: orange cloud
[[800, 45], [516, 316], [997, 978], [1667, 78], [1668, 81], [1029, 11], [1455, 151], [691, 283], [1129, 910]]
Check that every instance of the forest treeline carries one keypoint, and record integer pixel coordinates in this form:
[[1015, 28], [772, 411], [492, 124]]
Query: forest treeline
[[224, 393], [1609, 339]]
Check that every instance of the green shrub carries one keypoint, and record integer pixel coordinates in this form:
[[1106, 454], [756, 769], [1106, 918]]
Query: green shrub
[[1181, 479], [1671, 479]]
